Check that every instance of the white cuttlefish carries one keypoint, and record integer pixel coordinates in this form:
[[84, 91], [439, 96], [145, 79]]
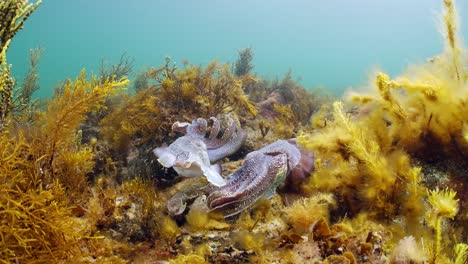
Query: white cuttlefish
[[189, 157], [193, 154]]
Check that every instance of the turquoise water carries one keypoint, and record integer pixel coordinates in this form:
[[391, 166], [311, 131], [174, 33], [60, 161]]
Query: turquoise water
[[331, 43]]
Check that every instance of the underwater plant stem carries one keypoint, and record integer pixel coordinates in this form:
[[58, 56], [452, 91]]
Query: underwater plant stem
[[438, 238], [3, 55], [450, 24]]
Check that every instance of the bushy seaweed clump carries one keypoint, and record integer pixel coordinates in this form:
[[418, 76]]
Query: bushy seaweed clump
[[43, 175], [378, 157], [243, 64], [31, 79], [144, 120], [284, 106], [179, 94], [13, 14], [43, 165]]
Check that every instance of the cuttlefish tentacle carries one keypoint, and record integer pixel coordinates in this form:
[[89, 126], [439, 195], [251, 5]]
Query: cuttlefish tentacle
[[178, 203], [231, 140], [216, 142], [198, 127], [229, 147]]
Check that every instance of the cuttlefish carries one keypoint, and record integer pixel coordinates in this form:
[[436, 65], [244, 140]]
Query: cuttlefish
[[196, 153], [259, 176]]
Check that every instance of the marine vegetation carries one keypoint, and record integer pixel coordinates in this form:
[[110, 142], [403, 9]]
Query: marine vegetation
[[31, 79], [378, 176], [178, 95], [13, 14], [243, 64], [43, 175], [118, 70], [23, 103], [144, 121], [141, 80], [380, 153], [284, 107], [43, 167]]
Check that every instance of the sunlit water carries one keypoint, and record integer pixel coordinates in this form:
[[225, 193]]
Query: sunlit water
[[334, 43]]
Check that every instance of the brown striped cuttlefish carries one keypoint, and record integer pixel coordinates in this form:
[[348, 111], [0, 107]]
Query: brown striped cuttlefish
[[260, 174]]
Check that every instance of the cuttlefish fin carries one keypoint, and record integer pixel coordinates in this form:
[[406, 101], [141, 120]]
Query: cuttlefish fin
[[212, 174], [217, 167]]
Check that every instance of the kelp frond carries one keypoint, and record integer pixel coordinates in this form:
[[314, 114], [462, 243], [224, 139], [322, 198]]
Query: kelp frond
[[58, 126], [13, 14], [66, 112], [213, 90], [35, 223], [450, 19], [43, 171], [461, 253]]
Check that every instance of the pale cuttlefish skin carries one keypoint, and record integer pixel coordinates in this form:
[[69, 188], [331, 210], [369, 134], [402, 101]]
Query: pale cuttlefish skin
[[261, 173], [193, 154]]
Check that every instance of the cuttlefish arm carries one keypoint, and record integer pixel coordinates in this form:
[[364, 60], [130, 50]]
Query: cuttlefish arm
[[215, 129], [226, 145], [178, 203], [230, 147], [198, 127], [218, 147], [180, 127]]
